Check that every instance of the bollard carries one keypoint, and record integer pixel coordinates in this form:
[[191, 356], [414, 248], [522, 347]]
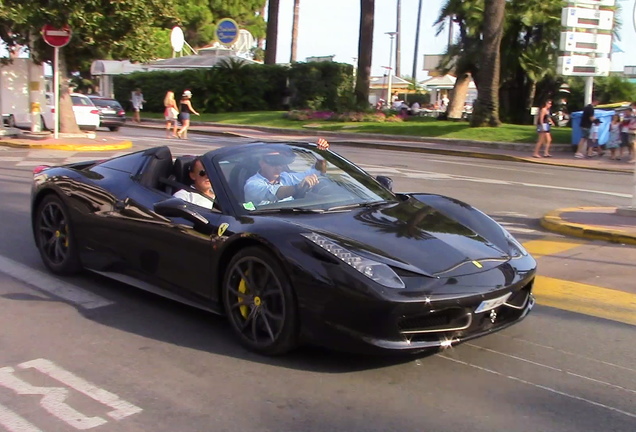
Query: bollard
[[35, 117]]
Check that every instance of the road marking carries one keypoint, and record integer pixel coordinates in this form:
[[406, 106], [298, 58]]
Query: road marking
[[431, 175], [53, 400], [545, 366], [121, 408], [586, 299], [539, 248], [14, 423], [58, 288], [539, 386]]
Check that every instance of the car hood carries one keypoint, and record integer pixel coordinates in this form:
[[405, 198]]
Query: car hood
[[410, 233]]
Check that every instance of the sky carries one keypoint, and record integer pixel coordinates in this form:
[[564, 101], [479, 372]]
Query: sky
[[330, 27]]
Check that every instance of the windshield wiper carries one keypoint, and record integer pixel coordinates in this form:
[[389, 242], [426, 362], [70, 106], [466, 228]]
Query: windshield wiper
[[288, 210], [357, 205]]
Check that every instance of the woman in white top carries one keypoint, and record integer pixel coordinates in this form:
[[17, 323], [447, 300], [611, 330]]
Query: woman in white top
[[203, 195], [170, 114]]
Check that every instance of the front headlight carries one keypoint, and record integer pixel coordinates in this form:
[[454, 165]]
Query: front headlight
[[379, 272], [514, 242]]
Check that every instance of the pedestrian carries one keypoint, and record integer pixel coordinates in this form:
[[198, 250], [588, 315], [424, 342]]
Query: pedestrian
[[593, 147], [185, 109], [630, 135], [586, 124], [137, 100], [544, 121], [170, 113], [615, 137]]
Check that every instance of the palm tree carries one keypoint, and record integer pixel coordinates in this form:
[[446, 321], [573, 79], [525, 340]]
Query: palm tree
[[272, 32], [365, 46], [462, 57], [294, 41], [486, 111]]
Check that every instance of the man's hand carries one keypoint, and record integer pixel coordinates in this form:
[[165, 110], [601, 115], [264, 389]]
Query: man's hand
[[310, 181], [322, 144]]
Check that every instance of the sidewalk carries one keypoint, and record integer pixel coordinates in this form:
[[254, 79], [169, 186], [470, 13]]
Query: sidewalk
[[599, 223]]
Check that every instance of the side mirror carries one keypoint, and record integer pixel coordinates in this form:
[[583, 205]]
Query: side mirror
[[176, 207], [385, 181]]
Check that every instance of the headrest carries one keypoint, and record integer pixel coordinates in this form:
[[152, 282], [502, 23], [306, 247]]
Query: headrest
[[181, 169]]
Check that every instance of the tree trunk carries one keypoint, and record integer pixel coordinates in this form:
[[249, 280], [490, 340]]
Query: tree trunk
[[294, 41], [486, 110], [68, 123], [458, 97], [272, 32], [365, 47]]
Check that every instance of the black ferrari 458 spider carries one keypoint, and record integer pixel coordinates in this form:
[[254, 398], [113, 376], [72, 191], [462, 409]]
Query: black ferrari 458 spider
[[346, 263]]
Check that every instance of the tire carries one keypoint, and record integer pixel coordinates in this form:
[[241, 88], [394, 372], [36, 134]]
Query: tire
[[54, 237], [113, 128], [260, 303]]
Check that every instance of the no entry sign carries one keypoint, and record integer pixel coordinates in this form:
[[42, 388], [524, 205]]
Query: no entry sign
[[56, 37]]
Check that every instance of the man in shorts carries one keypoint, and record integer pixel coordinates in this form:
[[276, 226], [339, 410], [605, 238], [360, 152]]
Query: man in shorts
[[586, 124]]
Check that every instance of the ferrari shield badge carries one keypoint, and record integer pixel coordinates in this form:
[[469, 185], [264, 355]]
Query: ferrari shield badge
[[222, 228]]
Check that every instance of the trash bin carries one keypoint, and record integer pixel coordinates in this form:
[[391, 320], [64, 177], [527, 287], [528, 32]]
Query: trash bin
[[605, 116]]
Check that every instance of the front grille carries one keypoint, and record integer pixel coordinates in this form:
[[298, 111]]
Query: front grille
[[443, 320]]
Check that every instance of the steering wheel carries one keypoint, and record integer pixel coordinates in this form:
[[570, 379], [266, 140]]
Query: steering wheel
[[301, 191]]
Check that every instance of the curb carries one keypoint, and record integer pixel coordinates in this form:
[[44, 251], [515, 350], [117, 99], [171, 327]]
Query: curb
[[122, 145], [552, 221]]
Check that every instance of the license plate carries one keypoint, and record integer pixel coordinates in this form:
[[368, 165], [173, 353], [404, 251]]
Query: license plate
[[108, 111], [487, 305]]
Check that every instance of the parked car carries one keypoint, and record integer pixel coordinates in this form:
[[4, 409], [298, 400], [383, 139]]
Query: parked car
[[86, 113], [111, 113], [346, 263]]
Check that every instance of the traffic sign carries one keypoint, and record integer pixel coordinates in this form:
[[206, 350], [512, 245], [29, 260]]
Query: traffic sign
[[586, 42], [587, 18], [579, 65], [56, 37], [227, 31]]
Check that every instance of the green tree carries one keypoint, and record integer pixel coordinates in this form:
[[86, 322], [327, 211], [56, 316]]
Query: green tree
[[486, 111], [101, 29], [365, 46], [461, 58]]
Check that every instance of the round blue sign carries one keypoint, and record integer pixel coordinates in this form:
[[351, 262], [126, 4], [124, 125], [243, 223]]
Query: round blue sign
[[227, 31]]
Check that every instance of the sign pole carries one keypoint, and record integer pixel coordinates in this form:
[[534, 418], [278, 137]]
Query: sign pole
[[56, 91]]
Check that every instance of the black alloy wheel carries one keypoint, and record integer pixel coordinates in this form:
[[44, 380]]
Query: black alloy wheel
[[260, 302], [54, 237]]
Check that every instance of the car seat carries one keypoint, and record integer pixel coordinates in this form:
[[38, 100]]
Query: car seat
[[239, 175], [158, 166]]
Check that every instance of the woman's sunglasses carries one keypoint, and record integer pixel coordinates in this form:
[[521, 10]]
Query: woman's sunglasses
[[202, 173]]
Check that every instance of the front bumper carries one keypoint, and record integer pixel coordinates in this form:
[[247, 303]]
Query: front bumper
[[438, 315]]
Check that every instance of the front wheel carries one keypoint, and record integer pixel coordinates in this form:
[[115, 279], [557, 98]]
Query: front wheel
[[54, 237], [260, 303], [113, 128]]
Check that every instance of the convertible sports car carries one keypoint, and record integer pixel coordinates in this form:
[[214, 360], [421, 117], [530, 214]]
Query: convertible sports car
[[347, 263]]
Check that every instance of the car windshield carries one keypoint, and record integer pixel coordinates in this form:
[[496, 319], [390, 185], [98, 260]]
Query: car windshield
[[254, 175], [106, 103], [81, 101]]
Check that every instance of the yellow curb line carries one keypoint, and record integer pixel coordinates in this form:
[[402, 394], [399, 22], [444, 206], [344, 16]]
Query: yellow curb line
[[553, 222], [72, 147]]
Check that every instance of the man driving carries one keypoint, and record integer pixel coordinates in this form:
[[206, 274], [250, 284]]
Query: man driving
[[273, 183]]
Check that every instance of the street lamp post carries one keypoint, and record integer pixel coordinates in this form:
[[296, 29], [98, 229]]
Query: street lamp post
[[390, 68]]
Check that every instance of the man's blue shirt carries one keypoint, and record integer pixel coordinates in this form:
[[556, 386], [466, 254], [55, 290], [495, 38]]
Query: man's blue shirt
[[259, 190]]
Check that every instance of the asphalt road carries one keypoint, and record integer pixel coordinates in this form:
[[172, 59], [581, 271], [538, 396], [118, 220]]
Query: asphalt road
[[112, 358]]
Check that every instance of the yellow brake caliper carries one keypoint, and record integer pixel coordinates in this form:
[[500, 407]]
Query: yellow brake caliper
[[242, 288]]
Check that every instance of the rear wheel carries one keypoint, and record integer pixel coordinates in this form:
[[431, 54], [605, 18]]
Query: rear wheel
[[113, 128], [54, 237], [260, 303]]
